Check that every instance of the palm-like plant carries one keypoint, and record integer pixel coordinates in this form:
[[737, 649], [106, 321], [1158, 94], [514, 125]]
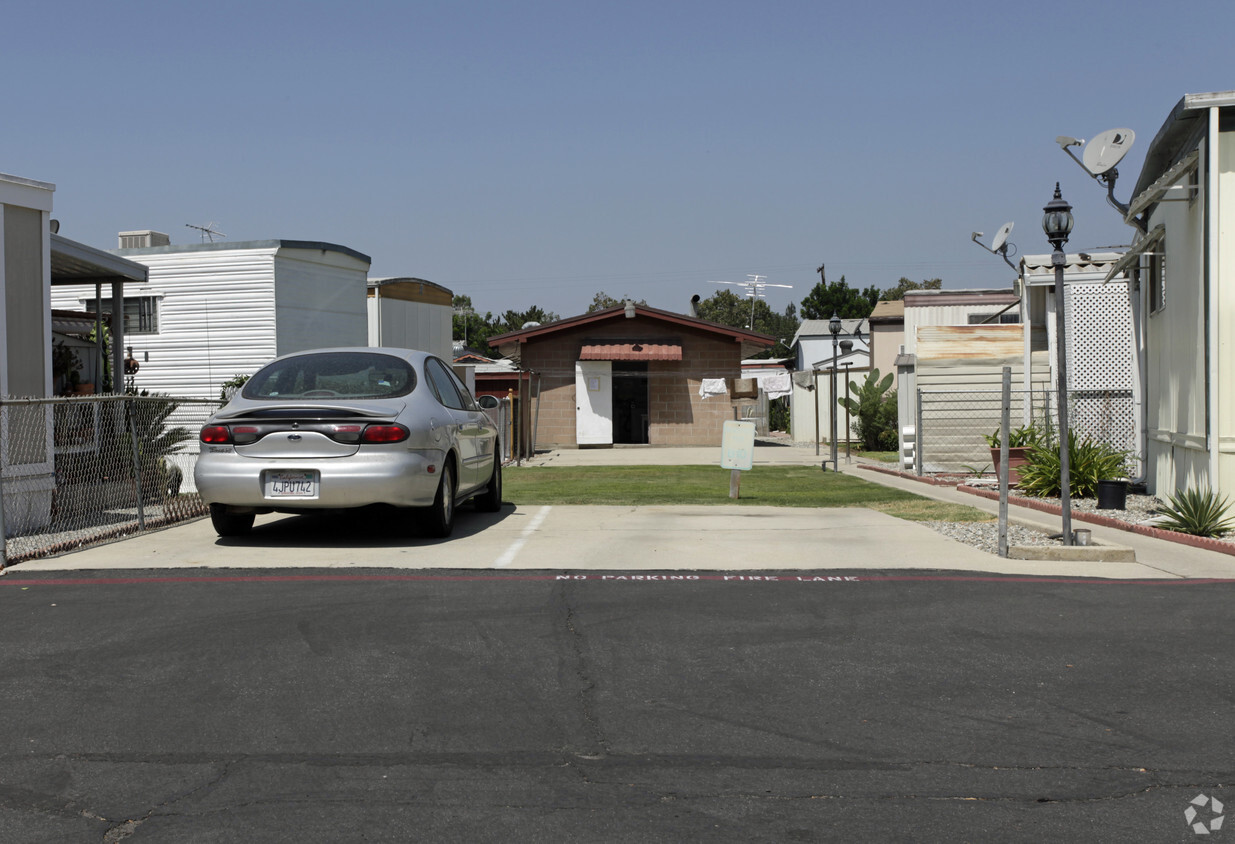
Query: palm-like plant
[[873, 403], [1196, 512], [1089, 461]]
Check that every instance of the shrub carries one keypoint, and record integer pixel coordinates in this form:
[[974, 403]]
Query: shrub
[[232, 386], [1089, 461], [1197, 513]]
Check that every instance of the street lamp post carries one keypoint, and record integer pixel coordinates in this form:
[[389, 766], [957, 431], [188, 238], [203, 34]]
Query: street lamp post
[[1057, 223], [834, 325], [846, 346]]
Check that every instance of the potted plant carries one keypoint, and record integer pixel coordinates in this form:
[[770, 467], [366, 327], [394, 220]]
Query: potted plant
[[1020, 442]]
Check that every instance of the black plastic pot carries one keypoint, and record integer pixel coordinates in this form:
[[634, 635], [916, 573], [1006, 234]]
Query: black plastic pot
[[1112, 495]]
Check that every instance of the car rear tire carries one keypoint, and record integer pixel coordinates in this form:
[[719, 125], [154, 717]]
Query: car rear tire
[[441, 517], [227, 523], [490, 501]]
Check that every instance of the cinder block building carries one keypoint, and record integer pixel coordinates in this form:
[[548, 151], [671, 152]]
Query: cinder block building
[[629, 374]]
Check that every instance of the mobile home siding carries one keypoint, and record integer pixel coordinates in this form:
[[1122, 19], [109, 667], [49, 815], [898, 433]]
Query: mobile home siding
[[1177, 423], [1224, 314], [403, 324], [318, 302], [225, 312], [960, 373], [215, 319]]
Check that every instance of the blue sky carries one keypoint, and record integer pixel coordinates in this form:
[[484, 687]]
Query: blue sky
[[535, 153]]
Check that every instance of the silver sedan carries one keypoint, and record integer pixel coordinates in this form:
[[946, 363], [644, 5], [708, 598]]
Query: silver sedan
[[343, 428]]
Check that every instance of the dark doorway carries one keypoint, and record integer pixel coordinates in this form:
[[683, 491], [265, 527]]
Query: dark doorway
[[630, 402]]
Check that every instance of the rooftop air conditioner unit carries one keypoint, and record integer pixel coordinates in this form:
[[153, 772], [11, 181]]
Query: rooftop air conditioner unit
[[143, 239]]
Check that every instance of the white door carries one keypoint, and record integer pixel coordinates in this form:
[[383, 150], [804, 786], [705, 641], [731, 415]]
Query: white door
[[594, 402]]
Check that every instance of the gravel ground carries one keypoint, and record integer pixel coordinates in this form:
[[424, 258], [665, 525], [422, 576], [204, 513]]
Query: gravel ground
[[1140, 509]]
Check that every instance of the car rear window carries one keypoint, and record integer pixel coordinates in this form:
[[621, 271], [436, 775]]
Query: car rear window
[[329, 375]]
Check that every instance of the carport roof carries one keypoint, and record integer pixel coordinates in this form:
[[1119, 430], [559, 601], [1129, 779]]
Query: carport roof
[[77, 263]]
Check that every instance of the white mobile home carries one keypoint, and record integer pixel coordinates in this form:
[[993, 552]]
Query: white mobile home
[[811, 406], [211, 311], [411, 313], [1183, 265]]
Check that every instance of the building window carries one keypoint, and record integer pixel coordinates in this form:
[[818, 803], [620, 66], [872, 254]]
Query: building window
[[1006, 318], [1156, 268], [141, 313]]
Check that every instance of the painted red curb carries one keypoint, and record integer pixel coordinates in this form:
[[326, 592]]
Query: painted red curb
[[922, 479], [613, 577]]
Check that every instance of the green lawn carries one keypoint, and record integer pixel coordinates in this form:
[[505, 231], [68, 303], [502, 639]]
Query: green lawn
[[779, 486], [881, 456]]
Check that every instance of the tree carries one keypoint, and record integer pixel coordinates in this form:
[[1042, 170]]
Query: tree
[[469, 327], [514, 320], [898, 292], [727, 308], [838, 298], [475, 330], [603, 300]]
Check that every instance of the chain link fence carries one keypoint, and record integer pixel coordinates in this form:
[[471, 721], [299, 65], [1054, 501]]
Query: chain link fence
[[80, 470], [952, 426]]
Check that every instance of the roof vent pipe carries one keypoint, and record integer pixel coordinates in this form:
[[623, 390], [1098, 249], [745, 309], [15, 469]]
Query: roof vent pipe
[[694, 305]]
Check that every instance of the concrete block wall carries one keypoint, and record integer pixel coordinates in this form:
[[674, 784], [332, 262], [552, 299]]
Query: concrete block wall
[[677, 415]]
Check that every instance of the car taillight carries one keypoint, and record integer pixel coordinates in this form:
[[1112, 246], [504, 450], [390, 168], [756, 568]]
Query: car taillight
[[346, 433], [244, 434], [216, 435], [384, 434]]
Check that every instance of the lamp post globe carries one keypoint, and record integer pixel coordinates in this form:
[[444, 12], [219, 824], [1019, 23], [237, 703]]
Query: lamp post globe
[[1057, 219], [1057, 222]]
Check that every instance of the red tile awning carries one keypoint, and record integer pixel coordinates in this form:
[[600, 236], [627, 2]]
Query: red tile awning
[[631, 351]]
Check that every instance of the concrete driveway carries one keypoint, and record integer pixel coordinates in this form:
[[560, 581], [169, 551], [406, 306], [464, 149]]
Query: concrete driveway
[[577, 538], [606, 538]]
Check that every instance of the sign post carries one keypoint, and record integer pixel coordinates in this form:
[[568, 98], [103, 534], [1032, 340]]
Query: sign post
[[737, 452]]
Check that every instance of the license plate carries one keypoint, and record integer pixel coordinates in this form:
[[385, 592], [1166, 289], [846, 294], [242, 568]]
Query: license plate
[[291, 484]]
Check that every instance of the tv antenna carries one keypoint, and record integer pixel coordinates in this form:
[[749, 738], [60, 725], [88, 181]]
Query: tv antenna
[[755, 288], [1098, 159], [999, 244], [207, 231]]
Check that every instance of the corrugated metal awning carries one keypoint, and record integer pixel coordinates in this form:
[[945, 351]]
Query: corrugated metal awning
[[1133, 255], [631, 351], [1162, 184], [74, 322]]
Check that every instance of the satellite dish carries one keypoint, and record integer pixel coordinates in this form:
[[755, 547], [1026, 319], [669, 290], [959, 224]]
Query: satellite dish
[[1107, 149], [1001, 237]]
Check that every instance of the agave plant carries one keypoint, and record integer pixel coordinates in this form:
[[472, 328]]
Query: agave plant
[[1197, 512]]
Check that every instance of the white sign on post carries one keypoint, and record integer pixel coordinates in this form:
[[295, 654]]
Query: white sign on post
[[737, 445]]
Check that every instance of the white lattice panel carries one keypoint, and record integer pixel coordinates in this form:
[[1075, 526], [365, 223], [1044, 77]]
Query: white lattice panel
[[1099, 326]]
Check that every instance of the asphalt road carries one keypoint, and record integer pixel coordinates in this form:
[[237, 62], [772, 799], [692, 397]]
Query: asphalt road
[[382, 705]]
